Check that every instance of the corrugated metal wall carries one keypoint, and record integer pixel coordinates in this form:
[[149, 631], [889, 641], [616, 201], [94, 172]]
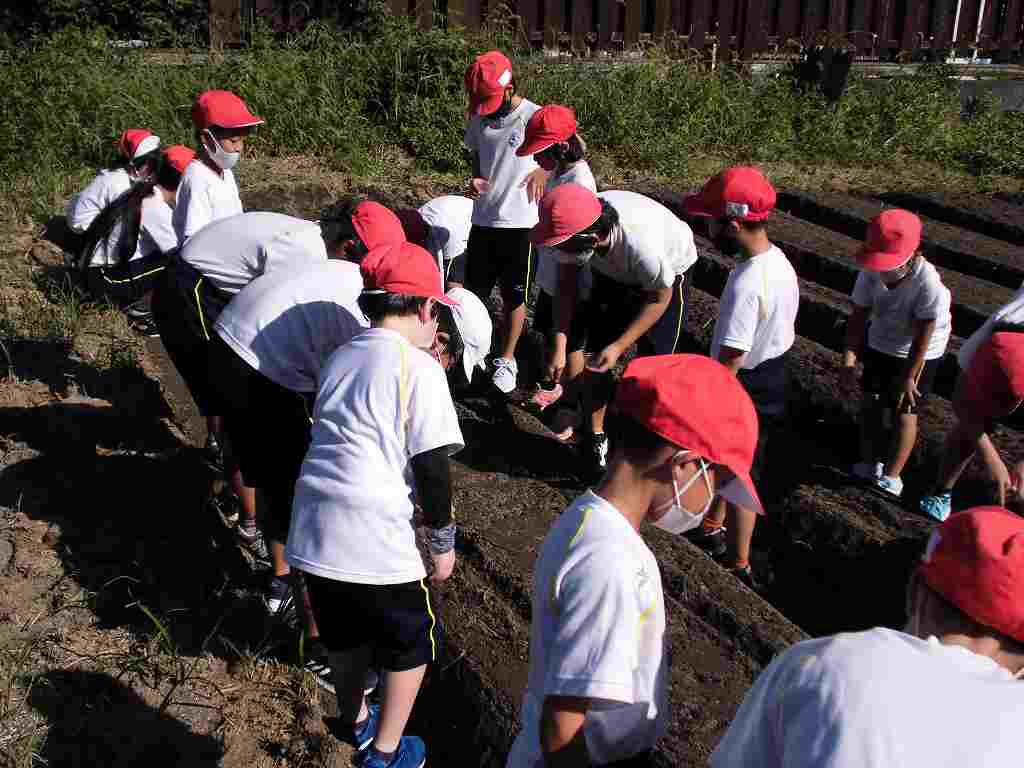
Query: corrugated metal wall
[[878, 29]]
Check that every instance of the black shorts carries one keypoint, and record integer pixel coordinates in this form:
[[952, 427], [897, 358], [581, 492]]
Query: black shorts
[[129, 282], [613, 306], [882, 373], [269, 429], [544, 321], [499, 256], [396, 620], [185, 307], [455, 269], [767, 385]]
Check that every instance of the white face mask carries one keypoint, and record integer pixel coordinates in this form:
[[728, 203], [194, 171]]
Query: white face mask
[[678, 519], [226, 160]]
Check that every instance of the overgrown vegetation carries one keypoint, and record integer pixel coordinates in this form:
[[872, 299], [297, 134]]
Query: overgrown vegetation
[[342, 96]]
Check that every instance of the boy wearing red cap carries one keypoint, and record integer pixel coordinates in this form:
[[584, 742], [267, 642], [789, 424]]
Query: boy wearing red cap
[[944, 692], [637, 251], [552, 140], [909, 308], [755, 329], [991, 387], [504, 209], [208, 191], [384, 426], [442, 226], [596, 692]]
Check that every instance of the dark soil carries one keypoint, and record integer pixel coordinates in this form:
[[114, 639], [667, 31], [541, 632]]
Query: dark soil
[[991, 216]]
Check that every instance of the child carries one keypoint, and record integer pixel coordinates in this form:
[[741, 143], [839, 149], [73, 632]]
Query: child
[[208, 191], [463, 338], [638, 251], [127, 245], [909, 309], [552, 140], [597, 687], [505, 188], [755, 329], [990, 387], [442, 226], [384, 426]]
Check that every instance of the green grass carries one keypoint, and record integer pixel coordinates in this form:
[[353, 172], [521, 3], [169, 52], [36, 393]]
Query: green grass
[[344, 97]]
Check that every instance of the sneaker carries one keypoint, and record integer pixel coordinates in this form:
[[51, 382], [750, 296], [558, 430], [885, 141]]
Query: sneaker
[[225, 504], [891, 486], [938, 506], [595, 452], [372, 681], [138, 311], [711, 541], [213, 454], [279, 594], [868, 472], [746, 575], [318, 666], [505, 373], [545, 395], [561, 421], [252, 545], [411, 753], [363, 735], [145, 326]]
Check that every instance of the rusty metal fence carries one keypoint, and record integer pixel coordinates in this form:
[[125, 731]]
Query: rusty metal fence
[[879, 30]]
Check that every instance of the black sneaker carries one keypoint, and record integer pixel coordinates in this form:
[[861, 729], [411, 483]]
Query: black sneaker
[[279, 596], [253, 548], [145, 326], [594, 452], [319, 667], [213, 454], [712, 542], [746, 575]]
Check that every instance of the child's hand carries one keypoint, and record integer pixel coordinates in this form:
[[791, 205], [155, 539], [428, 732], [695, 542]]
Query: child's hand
[[443, 566], [908, 392], [535, 184], [478, 186], [607, 359]]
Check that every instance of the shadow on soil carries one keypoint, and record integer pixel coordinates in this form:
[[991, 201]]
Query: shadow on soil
[[96, 720]]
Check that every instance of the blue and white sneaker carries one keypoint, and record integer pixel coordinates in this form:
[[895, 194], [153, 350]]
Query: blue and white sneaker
[[411, 753], [938, 506], [363, 735], [890, 486]]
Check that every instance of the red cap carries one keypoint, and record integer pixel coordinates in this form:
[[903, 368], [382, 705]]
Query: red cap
[[403, 268], [975, 560], [739, 192], [893, 237], [414, 226], [376, 225], [565, 211], [178, 156], [694, 402], [548, 126], [994, 384], [136, 142], [224, 110], [486, 80]]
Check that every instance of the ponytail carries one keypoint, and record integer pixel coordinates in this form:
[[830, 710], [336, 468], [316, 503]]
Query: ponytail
[[126, 211]]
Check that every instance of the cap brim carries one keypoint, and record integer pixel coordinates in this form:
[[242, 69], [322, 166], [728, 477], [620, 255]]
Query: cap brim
[[881, 261], [694, 205], [534, 147], [548, 240], [741, 492], [486, 105]]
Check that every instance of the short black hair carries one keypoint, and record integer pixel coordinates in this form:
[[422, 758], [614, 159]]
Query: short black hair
[[377, 306], [609, 218], [167, 176], [635, 441], [336, 222]]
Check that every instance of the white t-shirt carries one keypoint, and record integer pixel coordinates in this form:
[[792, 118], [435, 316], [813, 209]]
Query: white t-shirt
[[877, 699], [204, 196], [352, 519], [649, 247], [598, 632], [919, 296], [450, 218], [757, 311], [287, 323], [232, 252], [1011, 312], [547, 261], [505, 204], [156, 232], [83, 208]]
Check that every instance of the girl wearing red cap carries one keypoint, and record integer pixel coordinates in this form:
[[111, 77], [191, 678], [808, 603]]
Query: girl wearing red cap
[[208, 190], [596, 692], [126, 246], [909, 309], [384, 427], [499, 249], [552, 140]]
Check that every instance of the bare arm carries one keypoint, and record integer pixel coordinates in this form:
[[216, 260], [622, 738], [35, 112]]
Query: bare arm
[[564, 308], [561, 732], [653, 309], [915, 360], [855, 330]]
